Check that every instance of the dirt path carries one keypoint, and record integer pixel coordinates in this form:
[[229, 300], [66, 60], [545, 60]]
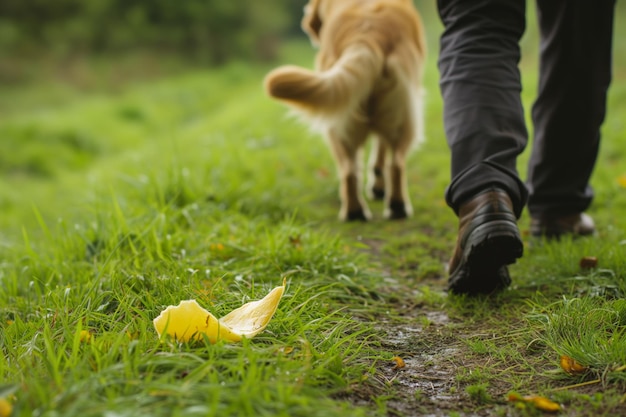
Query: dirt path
[[459, 358]]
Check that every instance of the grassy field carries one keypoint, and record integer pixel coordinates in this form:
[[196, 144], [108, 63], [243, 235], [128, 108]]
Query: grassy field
[[120, 197]]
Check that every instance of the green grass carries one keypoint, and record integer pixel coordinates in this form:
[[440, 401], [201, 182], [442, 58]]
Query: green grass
[[117, 204], [591, 330]]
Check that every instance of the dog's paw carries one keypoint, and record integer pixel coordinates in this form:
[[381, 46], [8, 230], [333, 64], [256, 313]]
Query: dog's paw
[[355, 215], [397, 210]]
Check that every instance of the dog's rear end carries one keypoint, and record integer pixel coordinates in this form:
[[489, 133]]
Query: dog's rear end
[[367, 79]]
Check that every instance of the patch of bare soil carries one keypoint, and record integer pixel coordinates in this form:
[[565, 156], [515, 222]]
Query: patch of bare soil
[[426, 384], [433, 354], [429, 343], [438, 367]]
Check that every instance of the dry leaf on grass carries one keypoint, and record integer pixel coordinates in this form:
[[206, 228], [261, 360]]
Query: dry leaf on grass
[[189, 321], [588, 262], [399, 362], [6, 408], [572, 367], [85, 336], [541, 403]]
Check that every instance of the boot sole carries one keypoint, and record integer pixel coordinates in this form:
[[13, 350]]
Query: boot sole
[[488, 250]]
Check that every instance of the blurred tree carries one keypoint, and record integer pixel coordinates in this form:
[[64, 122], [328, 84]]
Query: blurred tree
[[210, 30]]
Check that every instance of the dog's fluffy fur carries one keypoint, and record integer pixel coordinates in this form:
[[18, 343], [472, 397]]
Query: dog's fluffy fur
[[367, 80]]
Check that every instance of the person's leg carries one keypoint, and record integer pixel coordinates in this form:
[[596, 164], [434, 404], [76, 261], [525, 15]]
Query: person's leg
[[480, 84], [575, 73], [485, 128]]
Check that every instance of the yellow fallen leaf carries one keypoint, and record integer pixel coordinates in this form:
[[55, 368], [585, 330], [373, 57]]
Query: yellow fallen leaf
[[541, 403], [85, 336], [189, 321], [287, 350], [6, 409], [399, 362], [621, 180], [572, 367], [513, 397]]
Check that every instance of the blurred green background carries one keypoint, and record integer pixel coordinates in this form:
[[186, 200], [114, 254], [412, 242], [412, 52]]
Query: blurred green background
[[41, 37], [208, 31]]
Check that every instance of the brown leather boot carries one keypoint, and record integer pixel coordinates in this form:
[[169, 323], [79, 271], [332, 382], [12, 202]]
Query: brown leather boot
[[579, 224], [488, 241]]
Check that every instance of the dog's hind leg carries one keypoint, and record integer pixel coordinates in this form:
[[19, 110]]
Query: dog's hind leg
[[397, 202], [347, 153], [377, 168]]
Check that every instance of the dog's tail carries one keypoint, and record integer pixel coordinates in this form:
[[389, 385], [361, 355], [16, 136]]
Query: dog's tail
[[342, 87]]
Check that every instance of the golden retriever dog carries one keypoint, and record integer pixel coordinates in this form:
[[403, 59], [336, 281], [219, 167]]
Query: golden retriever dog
[[367, 80]]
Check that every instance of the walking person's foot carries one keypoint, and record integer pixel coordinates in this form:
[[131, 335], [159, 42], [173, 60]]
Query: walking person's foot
[[555, 226], [487, 242]]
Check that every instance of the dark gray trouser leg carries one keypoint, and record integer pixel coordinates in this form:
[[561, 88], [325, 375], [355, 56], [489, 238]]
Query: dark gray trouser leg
[[480, 84], [575, 73]]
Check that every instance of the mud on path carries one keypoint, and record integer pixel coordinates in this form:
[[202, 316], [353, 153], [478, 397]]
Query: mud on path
[[438, 366]]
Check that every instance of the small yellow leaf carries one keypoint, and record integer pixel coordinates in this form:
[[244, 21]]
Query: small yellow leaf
[[543, 403], [85, 336], [621, 180], [399, 362], [513, 396], [189, 321], [572, 367], [6, 408]]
